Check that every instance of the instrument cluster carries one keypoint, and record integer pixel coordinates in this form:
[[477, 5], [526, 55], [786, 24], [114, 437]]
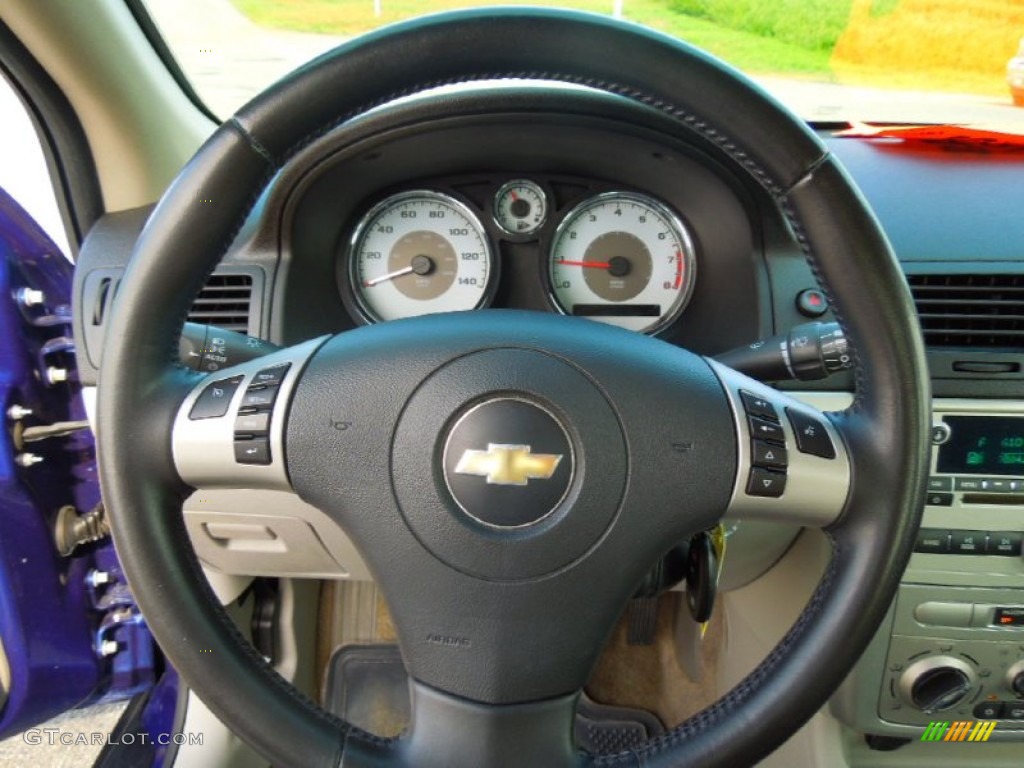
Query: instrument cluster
[[611, 255]]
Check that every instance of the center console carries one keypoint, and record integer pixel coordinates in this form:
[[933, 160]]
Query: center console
[[952, 645]]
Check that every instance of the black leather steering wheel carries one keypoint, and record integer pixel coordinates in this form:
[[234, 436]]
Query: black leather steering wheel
[[501, 616]]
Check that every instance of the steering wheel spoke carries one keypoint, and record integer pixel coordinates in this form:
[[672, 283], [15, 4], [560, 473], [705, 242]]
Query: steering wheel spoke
[[793, 465], [229, 431]]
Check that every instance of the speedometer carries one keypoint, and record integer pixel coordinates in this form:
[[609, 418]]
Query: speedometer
[[417, 253], [624, 259]]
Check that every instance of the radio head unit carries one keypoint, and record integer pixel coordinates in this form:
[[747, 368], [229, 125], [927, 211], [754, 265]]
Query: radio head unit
[[982, 445]]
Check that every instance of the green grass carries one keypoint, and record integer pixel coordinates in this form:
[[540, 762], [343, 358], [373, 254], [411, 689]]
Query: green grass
[[813, 25], [742, 41]]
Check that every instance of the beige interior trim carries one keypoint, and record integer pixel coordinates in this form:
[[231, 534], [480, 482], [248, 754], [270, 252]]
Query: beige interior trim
[[141, 127]]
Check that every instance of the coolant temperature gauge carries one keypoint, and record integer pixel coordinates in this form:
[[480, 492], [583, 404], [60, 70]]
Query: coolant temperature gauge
[[520, 207]]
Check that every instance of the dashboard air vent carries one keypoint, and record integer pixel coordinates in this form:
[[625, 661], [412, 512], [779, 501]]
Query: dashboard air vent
[[976, 311], [224, 301]]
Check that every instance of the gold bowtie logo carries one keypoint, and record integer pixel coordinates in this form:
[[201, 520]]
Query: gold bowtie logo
[[508, 464]]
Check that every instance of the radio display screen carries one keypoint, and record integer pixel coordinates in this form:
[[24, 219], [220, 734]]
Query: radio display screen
[[983, 445]]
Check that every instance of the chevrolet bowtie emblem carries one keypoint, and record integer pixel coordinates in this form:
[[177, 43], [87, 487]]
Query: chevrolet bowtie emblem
[[508, 464]]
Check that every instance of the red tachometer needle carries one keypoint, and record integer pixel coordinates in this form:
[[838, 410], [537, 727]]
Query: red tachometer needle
[[592, 264]]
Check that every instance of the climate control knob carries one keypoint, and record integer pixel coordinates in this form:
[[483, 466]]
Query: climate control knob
[[1015, 678], [937, 683]]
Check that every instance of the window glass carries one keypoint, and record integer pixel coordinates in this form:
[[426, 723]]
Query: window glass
[[864, 60], [23, 172]]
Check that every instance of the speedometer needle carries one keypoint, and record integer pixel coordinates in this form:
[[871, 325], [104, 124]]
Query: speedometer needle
[[421, 265], [592, 264], [388, 276]]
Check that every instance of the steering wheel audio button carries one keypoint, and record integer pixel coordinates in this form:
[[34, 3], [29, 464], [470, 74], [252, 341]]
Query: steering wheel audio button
[[811, 435], [766, 430], [758, 406], [769, 455], [764, 482]]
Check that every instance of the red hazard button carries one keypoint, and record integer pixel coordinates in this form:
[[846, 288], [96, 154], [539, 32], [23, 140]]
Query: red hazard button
[[812, 303]]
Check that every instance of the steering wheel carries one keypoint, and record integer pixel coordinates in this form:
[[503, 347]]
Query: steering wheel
[[510, 477]]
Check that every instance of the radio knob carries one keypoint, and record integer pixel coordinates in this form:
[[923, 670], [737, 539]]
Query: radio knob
[[1015, 678], [937, 683]]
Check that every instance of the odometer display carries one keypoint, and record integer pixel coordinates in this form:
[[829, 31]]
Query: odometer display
[[623, 259], [417, 253]]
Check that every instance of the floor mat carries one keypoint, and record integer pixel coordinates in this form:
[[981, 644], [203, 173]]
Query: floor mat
[[368, 686]]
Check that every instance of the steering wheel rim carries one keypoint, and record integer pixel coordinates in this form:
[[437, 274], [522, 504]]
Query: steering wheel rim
[[142, 387]]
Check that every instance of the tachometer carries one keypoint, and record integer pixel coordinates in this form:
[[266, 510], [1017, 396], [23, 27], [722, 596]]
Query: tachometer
[[624, 259], [417, 253]]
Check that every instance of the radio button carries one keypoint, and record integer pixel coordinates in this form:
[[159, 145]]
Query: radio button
[[937, 483], [939, 499], [998, 485], [940, 433], [967, 542], [1005, 543], [932, 541], [970, 484]]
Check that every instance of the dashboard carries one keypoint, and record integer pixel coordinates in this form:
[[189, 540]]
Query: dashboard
[[511, 198]]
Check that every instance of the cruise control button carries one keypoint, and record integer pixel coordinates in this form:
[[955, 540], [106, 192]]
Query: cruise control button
[[766, 430], [967, 542], [988, 710], [939, 499], [940, 483], [769, 455], [763, 482], [758, 406], [255, 451], [253, 423], [215, 399], [932, 541], [259, 397], [811, 436], [1006, 543], [271, 376]]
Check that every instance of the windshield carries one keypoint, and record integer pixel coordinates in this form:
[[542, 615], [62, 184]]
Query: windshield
[[881, 61]]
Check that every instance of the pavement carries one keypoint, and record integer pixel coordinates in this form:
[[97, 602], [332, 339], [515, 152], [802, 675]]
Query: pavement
[[229, 58]]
